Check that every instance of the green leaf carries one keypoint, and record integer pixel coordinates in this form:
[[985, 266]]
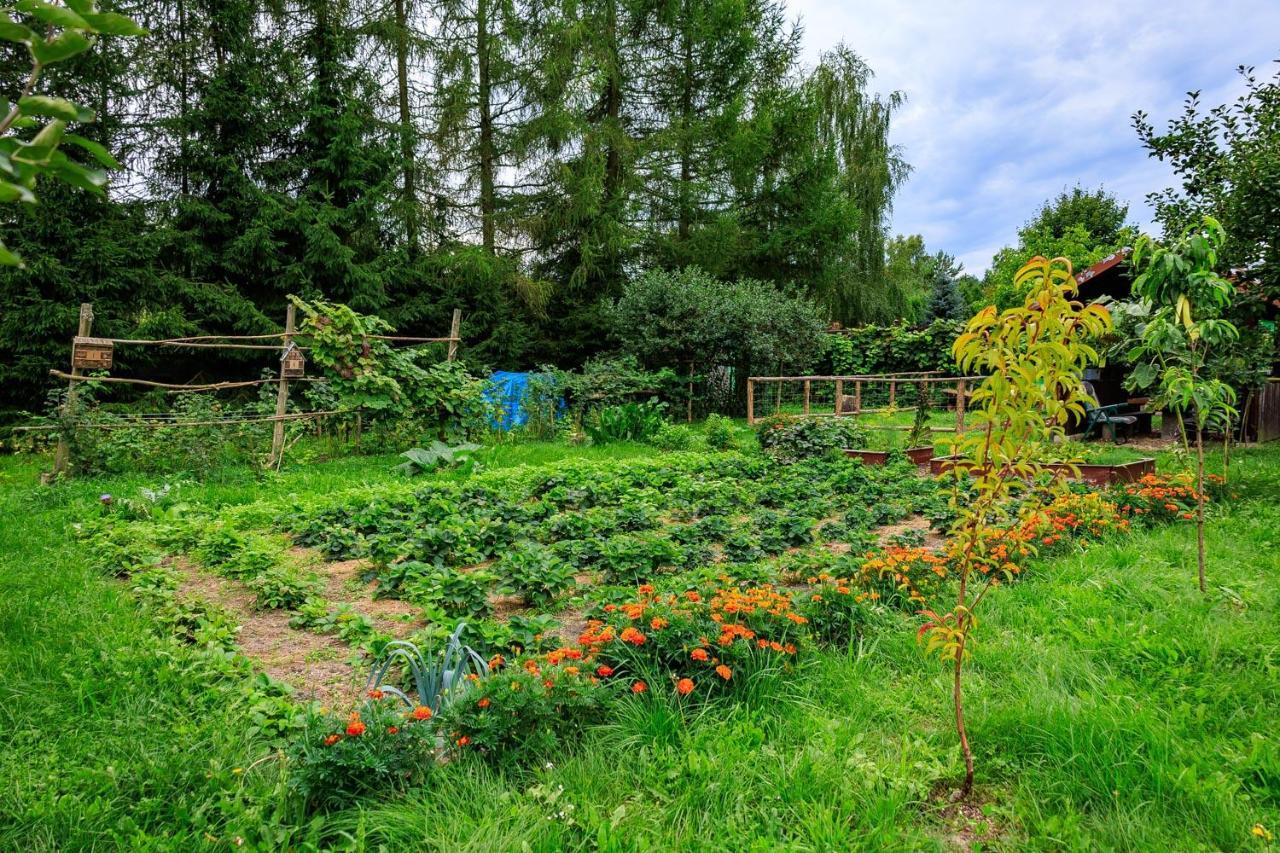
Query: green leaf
[[114, 24], [65, 46], [11, 192], [78, 176], [56, 16], [99, 153], [43, 105], [81, 7], [9, 259], [10, 30]]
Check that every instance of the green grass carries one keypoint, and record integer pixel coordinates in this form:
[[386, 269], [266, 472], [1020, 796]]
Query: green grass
[[1111, 707]]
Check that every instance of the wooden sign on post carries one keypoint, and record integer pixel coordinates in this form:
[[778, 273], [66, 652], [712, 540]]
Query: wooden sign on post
[[91, 353]]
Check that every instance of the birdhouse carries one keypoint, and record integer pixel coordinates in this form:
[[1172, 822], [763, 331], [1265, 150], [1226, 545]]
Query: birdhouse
[[91, 353], [293, 364]]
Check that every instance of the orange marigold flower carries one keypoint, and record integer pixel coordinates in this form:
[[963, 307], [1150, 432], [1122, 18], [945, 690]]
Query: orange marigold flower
[[639, 687], [422, 712], [632, 636], [646, 588], [376, 694], [531, 667], [724, 672], [698, 654], [609, 608], [657, 623], [604, 670], [464, 740], [332, 739], [571, 670], [355, 728], [693, 596], [573, 654], [393, 730], [496, 661], [484, 702], [684, 686], [548, 684]]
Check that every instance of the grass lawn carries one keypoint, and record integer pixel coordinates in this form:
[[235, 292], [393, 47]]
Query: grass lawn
[[1111, 706]]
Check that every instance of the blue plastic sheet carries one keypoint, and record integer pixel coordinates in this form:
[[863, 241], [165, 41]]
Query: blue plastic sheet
[[508, 390]]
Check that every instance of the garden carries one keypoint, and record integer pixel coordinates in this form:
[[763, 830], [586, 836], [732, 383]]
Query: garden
[[718, 519]]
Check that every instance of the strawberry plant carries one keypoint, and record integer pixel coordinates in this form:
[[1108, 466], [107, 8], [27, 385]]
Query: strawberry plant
[[535, 573]]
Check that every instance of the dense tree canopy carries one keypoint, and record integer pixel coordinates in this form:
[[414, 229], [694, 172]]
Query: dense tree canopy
[[519, 159]]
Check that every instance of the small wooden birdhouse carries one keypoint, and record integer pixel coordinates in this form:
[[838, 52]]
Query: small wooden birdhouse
[[91, 353], [293, 364]]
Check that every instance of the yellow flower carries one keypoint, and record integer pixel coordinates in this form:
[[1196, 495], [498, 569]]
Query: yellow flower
[[1261, 831]]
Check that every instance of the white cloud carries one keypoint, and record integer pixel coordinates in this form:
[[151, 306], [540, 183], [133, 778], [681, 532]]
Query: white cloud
[[1009, 102]]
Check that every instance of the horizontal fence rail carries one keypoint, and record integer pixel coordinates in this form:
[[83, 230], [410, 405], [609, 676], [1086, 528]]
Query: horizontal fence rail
[[852, 395]]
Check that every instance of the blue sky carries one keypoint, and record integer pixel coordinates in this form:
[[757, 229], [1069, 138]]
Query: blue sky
[[1009, 102]]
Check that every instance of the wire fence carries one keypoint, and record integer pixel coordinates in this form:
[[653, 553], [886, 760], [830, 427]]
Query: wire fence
[[857, 395]]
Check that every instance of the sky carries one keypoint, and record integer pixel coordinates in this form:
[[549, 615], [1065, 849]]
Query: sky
[[1008, 102]]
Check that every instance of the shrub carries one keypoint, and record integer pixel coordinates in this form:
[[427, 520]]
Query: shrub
[[720, 433], [1159, 498], [381, 748], [674, 437], [535, 573], [526, 708], [1082, 516], [789, 439]]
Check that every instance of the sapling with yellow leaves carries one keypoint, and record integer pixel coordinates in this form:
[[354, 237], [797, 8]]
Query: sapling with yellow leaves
[[1033, 357]]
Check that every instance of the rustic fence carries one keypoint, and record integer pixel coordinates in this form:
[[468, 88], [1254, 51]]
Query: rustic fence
[[97, 354], [854, 395]]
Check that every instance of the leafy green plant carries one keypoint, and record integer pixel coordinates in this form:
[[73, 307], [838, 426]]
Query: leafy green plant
[[625, 422], [631, 558], [428, 681], [279, 588], [438, 455], [377, 749], [789, 439], [459, 594], [720, 433], [671, 436], [535, 573]]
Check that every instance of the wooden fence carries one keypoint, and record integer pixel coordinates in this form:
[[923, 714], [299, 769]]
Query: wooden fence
[[854, 395], [92, 354]]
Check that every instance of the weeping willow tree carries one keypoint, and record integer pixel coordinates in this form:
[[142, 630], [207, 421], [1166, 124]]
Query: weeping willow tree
[[853, 128]]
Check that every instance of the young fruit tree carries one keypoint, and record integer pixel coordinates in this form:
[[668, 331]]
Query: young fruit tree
[[1033, 356], [1173, 355]]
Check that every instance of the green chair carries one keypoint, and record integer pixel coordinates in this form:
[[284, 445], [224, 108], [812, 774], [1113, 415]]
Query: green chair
[[1099, 418]]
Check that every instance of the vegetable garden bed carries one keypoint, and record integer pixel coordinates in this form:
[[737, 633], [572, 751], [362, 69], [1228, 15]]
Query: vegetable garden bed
[[1098, 474]]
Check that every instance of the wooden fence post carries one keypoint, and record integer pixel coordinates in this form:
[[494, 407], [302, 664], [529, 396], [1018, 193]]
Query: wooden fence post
[[282, 394], [857, 397], [62, 456], [806, 396], [751, 401], [960, 388], [839, 394], [455, 328], [893, 393]]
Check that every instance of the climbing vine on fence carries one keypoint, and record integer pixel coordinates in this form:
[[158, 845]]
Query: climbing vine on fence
[[894, 349]]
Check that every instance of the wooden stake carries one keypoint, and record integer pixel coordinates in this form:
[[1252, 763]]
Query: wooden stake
[[62, 456], [960, 388], [751, 402], [857, 398], [839, 394], [455, 328], [282, 395], [893, 393], [806, 396]]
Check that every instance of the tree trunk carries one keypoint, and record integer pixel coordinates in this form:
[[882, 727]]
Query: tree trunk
[[408, 167], [957, 697], [686, 120], [484, 86], [1200, 504]]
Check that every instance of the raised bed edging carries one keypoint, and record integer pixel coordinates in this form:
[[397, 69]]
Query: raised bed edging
[[1098, 475], [918, 455]]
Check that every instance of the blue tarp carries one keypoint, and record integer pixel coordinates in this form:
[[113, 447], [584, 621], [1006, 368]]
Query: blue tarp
[[508, 391]]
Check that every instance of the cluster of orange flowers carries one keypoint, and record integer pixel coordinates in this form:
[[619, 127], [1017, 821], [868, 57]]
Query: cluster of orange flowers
[[1163, 498], [1086, 514], [356, 725], [912, 571]]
